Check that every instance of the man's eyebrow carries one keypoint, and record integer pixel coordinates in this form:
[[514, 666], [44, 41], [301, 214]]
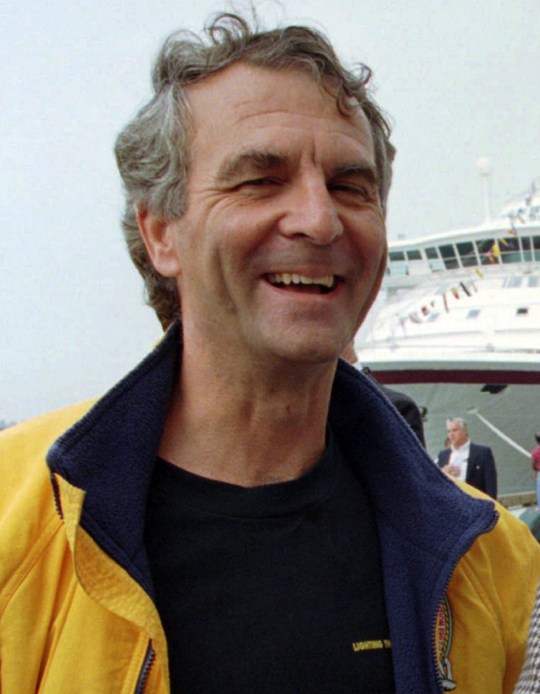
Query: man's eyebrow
[[364, 170], [256, 161], [249, 162]]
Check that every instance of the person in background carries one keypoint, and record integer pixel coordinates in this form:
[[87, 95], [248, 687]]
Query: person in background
[[245, 511], [535, 458], [468, 461], [403, 403]]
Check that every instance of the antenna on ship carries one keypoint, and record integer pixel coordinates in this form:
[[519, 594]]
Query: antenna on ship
[[483, 165]]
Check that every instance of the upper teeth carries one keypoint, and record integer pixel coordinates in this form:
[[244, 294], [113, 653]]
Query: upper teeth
[[293, 278]]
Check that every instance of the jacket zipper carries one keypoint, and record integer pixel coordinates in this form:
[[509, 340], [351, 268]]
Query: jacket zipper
[[56, 496], [149, 658], [438, 675]]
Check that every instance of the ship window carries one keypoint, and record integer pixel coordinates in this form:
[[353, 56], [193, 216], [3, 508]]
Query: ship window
[[396, 255], [514, 282], [531, 247], [447, 251], [466, 251], [433, 316], [533, 281], [473, 313], [449, 255], [487, 250], [526, 246], [484, 245], [431, 253], [465, 248], [522, 311], [511, 257], [414, 255], [509, 248], [536, 245]]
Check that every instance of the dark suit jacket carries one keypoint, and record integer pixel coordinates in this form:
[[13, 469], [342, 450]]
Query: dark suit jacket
[[481, 471], [408, 409], [405, 405]]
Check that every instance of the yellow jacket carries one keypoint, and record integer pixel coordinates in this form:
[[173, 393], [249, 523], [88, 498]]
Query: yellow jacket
[[71, 619], [460, 579]]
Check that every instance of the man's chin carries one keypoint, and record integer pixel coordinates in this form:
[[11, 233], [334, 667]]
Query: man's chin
[[309, 354]]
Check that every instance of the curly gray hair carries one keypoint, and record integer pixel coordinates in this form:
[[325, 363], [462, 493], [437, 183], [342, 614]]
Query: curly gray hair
[[152, 151]]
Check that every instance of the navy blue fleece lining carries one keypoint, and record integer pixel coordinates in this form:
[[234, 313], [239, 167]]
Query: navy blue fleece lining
[[111, 451], [110, 454]]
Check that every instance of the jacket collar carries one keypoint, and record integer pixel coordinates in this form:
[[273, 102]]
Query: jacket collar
[[401, 478], [110, 454], [425, 521]]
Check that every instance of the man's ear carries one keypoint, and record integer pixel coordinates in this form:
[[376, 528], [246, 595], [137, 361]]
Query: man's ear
[[159, 239]]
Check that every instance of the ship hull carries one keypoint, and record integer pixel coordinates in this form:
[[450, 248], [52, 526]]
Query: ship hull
[[500, 405]]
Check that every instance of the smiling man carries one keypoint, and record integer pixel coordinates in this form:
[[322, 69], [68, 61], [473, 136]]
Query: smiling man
[[277, 259], [245, 512]]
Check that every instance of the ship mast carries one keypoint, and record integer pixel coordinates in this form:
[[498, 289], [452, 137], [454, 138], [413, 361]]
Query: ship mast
[[483, 165]]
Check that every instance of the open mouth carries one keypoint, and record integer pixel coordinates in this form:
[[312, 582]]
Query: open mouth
[[303, 283]]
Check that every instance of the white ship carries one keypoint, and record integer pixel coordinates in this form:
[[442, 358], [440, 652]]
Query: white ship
[[458, 329]]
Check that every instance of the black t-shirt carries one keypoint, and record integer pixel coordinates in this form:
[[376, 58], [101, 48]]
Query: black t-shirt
[[269, 590]]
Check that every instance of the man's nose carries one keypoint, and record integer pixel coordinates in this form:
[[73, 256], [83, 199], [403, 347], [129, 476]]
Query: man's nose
[[312, 213]]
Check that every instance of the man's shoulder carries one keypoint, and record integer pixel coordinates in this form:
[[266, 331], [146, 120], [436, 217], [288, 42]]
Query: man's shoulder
[[479, 448], [24, 446], [25, 437], [396, 396], [492, 590], [509, 536], [508, 526], [26, 496], [512, 539]]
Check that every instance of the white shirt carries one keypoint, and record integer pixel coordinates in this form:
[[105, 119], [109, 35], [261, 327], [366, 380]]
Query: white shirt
[[460, 456]]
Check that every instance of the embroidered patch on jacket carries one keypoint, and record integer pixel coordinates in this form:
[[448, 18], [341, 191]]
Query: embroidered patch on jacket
[[443, 644]]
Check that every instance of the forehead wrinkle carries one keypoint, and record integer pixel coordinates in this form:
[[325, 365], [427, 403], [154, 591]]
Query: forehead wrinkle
[[322, 121]]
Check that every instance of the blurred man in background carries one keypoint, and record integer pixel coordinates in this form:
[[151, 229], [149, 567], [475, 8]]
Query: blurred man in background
[[468, 461]]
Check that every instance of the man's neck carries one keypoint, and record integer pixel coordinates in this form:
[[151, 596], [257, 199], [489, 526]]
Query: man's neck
[[249, 429]]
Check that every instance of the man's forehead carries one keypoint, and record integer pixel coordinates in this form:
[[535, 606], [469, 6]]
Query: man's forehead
[[283, 112], [243, 76], [245, 87]]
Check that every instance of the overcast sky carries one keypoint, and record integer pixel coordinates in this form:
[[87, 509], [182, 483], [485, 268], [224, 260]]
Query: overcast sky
[[460, 80]]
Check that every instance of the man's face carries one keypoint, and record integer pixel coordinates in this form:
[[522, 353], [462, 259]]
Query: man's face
[[281, 250], [457, 435]]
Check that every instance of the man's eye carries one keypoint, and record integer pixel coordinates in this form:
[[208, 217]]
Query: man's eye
[[359, 191], [355, 191]]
